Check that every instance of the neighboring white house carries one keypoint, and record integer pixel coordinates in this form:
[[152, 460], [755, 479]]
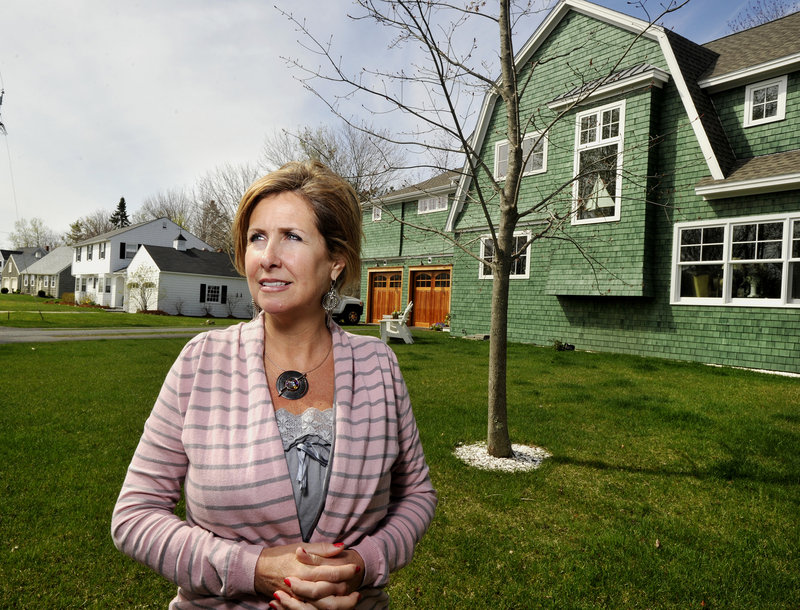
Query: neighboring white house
[[51, 273], [99, 263], [189, 282]]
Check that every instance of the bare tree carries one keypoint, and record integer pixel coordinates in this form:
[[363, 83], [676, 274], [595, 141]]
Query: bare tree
[[219, 192], [174, 204], [86, 227], [757, 12], [143, 287], [439, 95], [33, 233], [358, 152]]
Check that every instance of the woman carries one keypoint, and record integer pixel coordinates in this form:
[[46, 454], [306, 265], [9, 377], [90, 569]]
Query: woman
[[295, 444]]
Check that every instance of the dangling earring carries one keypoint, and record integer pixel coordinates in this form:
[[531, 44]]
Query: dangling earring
[[331, 299]]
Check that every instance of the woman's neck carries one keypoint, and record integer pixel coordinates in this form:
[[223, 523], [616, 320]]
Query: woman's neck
[[296, 345]]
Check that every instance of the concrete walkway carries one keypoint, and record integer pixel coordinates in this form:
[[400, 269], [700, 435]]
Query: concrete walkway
[[40, 335]]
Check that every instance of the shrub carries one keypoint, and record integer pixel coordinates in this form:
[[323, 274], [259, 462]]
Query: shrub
[[68, 298], [4, 290], [41, 294]]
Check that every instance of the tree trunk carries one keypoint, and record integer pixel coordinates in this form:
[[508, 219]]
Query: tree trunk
[[498, 440]]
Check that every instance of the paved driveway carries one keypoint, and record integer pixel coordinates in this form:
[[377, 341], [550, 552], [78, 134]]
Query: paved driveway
[[39, 335]]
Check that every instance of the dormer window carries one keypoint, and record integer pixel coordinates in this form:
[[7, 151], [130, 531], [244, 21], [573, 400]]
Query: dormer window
[[765, 102]]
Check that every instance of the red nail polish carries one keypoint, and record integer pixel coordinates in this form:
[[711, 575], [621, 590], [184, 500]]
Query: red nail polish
[[287, 583], [275, 595], [339, 544], [358, 569]]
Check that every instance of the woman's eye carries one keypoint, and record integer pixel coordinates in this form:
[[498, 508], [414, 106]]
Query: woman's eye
[[256, 237], [293, 236]]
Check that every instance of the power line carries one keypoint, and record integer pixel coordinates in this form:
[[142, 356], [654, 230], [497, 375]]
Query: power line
[[4, 131]]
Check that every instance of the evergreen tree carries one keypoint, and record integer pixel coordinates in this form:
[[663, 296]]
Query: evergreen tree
[[120, 216]]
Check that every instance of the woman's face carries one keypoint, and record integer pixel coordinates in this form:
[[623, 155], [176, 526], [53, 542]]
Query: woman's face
[[287, 263]]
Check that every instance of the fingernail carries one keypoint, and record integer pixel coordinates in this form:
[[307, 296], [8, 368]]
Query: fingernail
[[339, 544], [272, 605], [275, 595], [287, 583], [302, 550], [358, 569]]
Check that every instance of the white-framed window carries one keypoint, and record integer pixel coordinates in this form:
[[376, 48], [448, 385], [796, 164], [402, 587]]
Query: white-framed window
[[749, 261], [102, 248], [46, 281], [432, 204], [78, 253], [765, 102], [130, 250], [520, 268], [212, 294], [534, 155], [598, 164], [25, 279], [376, 213], [89, 251]]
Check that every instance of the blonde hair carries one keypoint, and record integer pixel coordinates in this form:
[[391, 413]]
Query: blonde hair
[[335, 206]]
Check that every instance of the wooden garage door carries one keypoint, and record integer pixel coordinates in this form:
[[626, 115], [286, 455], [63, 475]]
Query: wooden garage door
[[431, 296], [384, 294]]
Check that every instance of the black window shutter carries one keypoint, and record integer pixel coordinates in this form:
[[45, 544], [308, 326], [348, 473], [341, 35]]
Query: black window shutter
[[122, 249], [224, 298], [202, 293]]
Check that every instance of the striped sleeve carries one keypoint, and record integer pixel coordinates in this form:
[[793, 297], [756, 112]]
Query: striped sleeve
[[412, 499], [144, 525]]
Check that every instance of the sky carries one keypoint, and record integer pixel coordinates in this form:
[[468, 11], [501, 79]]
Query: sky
[[128, 99]]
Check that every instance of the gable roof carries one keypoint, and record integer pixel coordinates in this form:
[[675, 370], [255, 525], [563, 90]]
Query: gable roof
[[53, 262], [686, 62], [438, 185], [192, 261], [755, 53], [114, 232], [26, 257], [4, 254]]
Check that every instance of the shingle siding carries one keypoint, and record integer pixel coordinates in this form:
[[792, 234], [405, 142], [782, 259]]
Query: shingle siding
[[629, 310]]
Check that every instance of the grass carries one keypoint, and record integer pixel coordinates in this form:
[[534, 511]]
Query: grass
[[672, 485], [26, 311]]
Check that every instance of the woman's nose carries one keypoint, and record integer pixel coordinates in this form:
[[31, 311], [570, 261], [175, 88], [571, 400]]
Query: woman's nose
[[269, 255]]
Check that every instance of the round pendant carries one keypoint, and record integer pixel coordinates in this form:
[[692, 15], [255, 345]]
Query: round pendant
[[292, 385]]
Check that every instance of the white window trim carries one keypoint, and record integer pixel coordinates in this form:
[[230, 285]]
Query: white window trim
[[749, 121], [619, 140], [727, 299], [376, 213], [521, 276], [432, 204], [528, 136], [218, 289]]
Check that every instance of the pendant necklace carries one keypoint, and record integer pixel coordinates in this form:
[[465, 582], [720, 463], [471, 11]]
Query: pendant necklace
[[294, 384]]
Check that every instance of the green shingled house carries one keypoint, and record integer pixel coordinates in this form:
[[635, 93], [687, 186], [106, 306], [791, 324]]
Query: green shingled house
[[402, 261], [683, 165], [679, 165]]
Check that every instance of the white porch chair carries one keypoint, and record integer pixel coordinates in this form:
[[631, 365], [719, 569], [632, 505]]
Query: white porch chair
[[397, 328]]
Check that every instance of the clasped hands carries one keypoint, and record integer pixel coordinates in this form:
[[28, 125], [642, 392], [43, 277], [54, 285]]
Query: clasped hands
[[310, 576]]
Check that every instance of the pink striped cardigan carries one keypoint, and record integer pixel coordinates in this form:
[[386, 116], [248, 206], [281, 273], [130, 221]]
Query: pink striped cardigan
[[213, 431]]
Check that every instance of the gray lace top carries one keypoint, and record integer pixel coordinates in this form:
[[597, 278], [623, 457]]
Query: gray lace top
[[307, 440]]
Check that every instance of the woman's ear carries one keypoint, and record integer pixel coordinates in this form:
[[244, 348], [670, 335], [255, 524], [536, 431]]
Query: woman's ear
[[336, 268]]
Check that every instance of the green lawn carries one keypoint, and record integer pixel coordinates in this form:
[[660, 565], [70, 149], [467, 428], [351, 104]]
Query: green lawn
[[26, 311], [671, 485]]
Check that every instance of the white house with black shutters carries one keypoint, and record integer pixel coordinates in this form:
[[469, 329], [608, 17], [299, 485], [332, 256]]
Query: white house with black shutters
[[186, 281], [99, 264]]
